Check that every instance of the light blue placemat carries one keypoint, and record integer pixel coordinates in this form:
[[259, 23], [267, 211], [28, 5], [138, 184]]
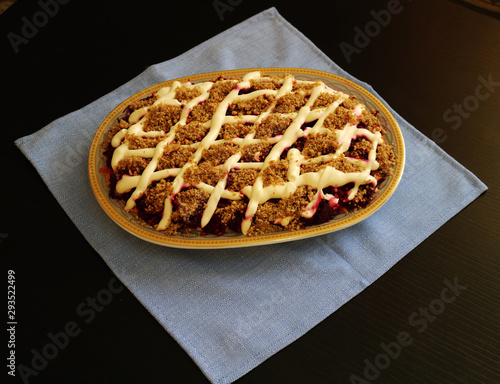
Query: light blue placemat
[[232, 309]]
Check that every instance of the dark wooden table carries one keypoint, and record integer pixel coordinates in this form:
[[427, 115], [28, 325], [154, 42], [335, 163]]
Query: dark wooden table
[[426, 58]]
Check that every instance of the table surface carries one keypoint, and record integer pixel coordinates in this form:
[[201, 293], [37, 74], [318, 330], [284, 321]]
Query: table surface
[[427, 62]]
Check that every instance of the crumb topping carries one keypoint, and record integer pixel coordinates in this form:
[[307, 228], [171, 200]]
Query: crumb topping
[[153, 199], [255, 152], [188, 202], [339, 119], [218, 154], [324, 100], [275, 173], [360, 148], [162, 117], [186, 94], [231, 131], [386, 158], [257, 85], [175, 156], [253, 106], [350, 103], [231, 212], [341, 163], [304, 86], [240, 178], [320, 144], [271, 126], [121, 124], [369, 120], [283, 215], [193, 132], [203, 112], [291, 102], [131, 166], [221, 89], [203, 173], [137, 142]]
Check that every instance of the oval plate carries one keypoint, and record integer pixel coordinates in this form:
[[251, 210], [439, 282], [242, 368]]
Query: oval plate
[[127, 221]]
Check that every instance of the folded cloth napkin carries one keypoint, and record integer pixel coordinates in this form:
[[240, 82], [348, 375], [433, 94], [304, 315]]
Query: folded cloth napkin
[[232, 309]]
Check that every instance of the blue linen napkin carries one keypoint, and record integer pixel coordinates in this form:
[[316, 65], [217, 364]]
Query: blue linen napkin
[[232, 309]]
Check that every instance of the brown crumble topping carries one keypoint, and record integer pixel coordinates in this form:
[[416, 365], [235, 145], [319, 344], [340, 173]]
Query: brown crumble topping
[[263, 220], [272, 125], [320, 144], [221, 89], [276, 173], [131, 166], [240, 178], [203, 173], [231, 131], [304, 86], [386, 158], [230, 212], [188, 202], [324, 100], [252, 106], [255, 152], [154, 197], [339, 119], [360, 199], [256, 85], [350, 103], [218, 154], [311, 167], [284, 214], [186, 94], [204, 111], [291, 102], [341, 163], [360, 149], [190, 133], [344, 165], [175, 156], [122, 124], [162, 117], [141, 104], [369, 120], [138, 142]]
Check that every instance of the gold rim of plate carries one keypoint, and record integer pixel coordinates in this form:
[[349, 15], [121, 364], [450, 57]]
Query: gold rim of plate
[[128, 222]]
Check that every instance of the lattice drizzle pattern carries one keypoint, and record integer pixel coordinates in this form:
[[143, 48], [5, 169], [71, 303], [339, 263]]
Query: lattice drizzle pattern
[[257, 193]]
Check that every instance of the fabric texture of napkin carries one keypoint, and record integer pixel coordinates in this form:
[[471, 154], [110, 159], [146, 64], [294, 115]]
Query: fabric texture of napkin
[[232, 309]]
